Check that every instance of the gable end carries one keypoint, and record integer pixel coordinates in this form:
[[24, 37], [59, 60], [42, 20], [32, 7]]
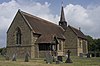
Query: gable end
[[23, 19]]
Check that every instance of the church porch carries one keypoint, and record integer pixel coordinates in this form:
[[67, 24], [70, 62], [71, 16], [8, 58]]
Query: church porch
[[46, 47], [43, 48]]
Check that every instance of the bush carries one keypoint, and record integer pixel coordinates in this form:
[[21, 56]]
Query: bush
[[3, 51]]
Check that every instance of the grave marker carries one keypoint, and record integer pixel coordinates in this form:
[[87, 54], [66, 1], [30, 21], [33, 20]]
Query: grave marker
[[68, 60], [26, 57], [14, 57], [49, 58]]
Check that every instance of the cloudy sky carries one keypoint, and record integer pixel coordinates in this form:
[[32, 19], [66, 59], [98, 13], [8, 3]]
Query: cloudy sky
[[78, 13]]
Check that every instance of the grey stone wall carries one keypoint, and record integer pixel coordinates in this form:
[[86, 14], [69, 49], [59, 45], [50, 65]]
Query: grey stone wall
[[34, 48], [19, 51], [85, 46], [25, 37], [70, 42]]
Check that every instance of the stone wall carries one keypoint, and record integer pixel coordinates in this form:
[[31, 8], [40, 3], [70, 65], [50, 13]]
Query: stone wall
[[19, 51], [25, 36], [82, 46], [79, 46], [70, 42], [85, 46], [34, 48], [60, 47]]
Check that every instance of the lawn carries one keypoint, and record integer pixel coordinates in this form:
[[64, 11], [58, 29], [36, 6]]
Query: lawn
[[94, 61]]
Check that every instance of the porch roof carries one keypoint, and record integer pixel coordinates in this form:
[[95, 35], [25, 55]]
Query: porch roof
[[48, 38]]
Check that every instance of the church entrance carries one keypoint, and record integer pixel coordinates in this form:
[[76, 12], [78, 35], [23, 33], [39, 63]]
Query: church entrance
[[44, 48]]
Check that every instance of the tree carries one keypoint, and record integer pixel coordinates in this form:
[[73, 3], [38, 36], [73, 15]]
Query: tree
[[97, 44], [1, 50], [91, 43]]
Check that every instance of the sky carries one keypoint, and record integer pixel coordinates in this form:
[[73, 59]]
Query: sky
[[78, 13]]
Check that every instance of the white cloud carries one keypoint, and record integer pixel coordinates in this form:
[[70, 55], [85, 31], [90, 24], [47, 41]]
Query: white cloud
[[86, 18]]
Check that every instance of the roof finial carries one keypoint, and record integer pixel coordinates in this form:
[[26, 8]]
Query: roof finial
[[62, 21], [62, 17], [62, 3]]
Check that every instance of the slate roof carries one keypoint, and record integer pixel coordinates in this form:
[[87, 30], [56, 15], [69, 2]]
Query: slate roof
[[77, 32], [47, 29]]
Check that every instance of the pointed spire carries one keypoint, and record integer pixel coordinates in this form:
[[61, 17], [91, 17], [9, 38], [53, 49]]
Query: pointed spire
[[62, 21], [62, 17]]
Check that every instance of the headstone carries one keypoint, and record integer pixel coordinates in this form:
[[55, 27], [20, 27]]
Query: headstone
[[88, 55], [57, 62], [49, 58], [26, 57], [97, 54], [14, 57], [54, 56], [53, 59], [66, 56], [7, 57], [81, 55], [60, 58], [68, 60], [93, 55], [4, 51]]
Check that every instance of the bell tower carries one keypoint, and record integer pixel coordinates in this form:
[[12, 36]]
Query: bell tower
[[62, 21]]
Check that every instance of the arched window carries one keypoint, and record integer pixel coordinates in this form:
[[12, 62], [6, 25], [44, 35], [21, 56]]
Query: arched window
[[18, 36]]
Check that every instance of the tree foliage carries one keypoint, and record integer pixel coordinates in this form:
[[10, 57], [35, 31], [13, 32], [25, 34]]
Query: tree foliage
[[3, 51], [93, 44]]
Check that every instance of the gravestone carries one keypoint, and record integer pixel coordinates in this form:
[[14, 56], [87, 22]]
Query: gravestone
[[97, 54], [57, 62], [7, 57], [49, 58], [26, 57], [88, 55], [14, 57], [93, 55], [80, 54], [68, 60], [54, 56], [53, 59], [60, 58]]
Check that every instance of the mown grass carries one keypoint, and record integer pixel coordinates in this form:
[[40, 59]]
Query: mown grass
[[94, 61]]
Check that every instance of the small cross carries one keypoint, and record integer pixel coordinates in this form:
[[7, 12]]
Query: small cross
[[62, 2], [68, 60]]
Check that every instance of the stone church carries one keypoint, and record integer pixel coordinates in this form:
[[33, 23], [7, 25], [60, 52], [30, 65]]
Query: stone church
[[29, 33]]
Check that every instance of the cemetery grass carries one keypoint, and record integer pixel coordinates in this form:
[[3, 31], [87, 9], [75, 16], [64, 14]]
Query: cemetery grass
[[94, 61]]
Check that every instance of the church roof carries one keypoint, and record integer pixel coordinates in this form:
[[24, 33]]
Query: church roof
[[77, 32], [43, 27], [48, 38]]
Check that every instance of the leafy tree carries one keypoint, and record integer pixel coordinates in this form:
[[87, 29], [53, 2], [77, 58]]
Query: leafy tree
[[97, 44], [91, 43], [3, 51]]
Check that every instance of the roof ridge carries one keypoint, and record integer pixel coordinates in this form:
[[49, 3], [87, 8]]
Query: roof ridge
[[73, 29], [25, 19], [38, 18], [77, 32]]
